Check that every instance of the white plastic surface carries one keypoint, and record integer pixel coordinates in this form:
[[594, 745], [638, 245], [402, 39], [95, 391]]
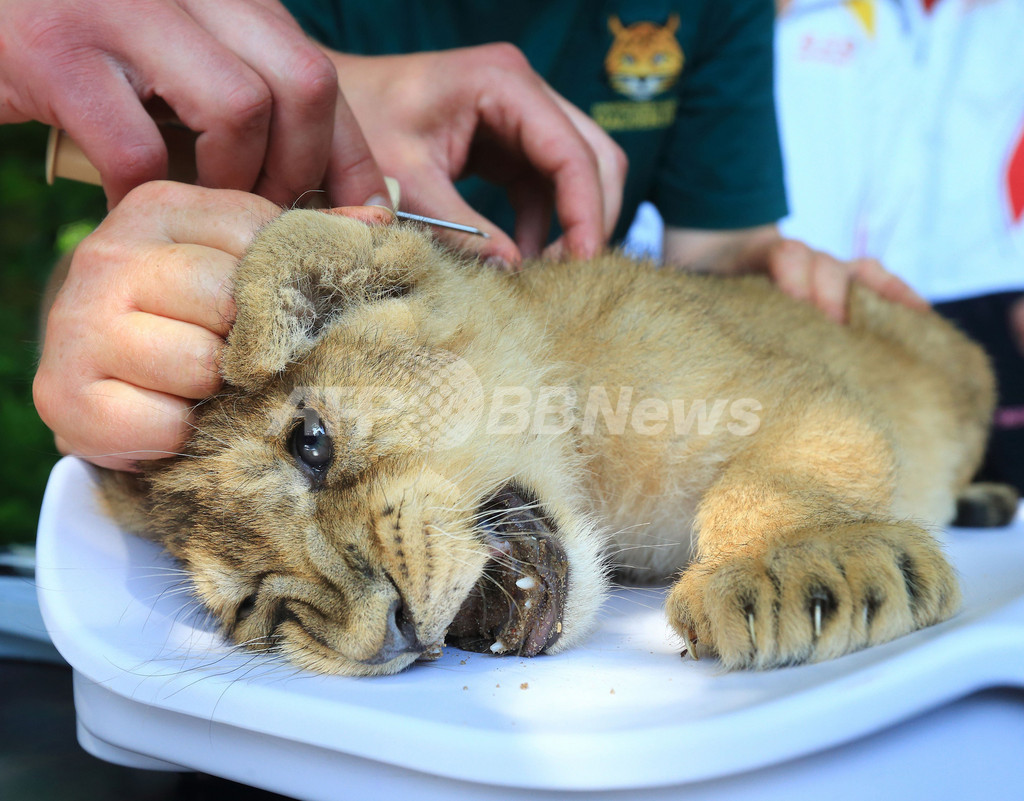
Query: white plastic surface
[[624, 711]]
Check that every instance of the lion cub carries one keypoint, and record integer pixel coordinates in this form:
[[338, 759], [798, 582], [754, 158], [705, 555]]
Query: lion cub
[[412, 449]]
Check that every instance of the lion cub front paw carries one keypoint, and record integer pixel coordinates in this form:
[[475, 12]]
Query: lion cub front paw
[[806, 596]]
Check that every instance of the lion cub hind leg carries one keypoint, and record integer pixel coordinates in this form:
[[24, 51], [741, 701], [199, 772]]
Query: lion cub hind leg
[[986, 505], [815, 593]]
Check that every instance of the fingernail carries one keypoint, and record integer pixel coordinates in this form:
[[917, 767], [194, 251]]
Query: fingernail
[[497, 262], [556, 251], [380, 200]]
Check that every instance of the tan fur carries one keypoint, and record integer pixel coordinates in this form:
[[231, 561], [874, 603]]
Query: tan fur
[[810, 494]]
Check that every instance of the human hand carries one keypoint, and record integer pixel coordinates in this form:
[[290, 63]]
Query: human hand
[[814, 276], [434, 117], [134, 334], [798, 269], [241, 73]]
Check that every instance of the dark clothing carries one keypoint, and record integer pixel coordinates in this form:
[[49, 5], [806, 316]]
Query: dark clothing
[[987, 320]]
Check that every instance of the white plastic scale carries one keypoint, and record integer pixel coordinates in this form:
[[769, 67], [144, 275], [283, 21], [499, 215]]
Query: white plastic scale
[[156, 686]]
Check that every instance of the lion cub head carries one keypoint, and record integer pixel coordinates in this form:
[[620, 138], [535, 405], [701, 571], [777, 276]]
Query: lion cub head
[[340, 501]]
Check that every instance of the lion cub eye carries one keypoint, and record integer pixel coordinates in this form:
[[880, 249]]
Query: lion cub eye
[[245, 609], [311, 445]]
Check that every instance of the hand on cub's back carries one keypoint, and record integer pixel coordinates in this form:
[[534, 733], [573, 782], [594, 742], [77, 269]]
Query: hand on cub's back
[[819, 278]]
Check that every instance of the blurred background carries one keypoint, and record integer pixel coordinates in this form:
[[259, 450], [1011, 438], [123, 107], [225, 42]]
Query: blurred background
[[37, 224]]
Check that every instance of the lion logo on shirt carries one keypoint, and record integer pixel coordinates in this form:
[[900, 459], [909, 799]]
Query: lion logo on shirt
[[645, 59]]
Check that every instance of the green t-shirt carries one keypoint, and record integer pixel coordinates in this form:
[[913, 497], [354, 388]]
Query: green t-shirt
[[684, 86]]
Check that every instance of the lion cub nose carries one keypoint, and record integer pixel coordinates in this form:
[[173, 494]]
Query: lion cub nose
[[400, 637]]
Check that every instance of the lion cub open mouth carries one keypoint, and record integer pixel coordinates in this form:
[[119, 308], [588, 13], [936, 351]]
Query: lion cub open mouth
[[516, 606]]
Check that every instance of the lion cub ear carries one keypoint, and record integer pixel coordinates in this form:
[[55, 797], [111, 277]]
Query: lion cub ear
[[302, 270]]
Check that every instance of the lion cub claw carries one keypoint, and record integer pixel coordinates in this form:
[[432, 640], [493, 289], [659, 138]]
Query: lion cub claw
[[812, 595]]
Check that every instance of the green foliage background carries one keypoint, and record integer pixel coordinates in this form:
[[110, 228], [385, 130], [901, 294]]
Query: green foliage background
[[37, 222]]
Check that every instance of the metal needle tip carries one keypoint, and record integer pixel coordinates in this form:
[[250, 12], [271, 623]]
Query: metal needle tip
[[466, 229]]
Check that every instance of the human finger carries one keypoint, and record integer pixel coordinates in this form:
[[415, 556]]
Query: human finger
[[830, 286], [211, 89], [875, 277], [353, 176], [371, 215], [161, 354], [532, 202], [117, 425], [790, 264], [190, 283], [556, 150], [127, 154], [612, 163], [168, 212], [519, 114], [303, 85]]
